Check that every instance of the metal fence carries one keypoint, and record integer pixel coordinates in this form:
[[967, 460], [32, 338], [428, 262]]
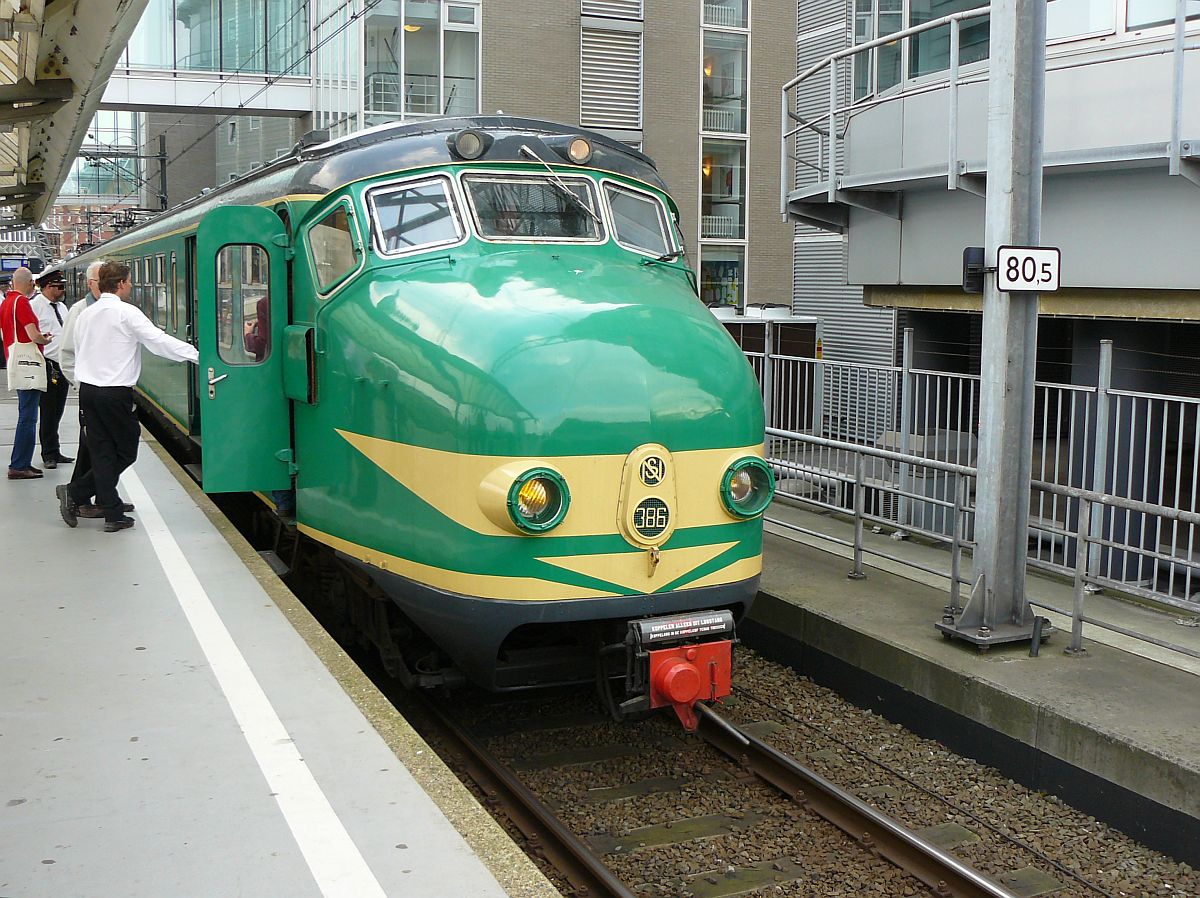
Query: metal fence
[[902, 443]]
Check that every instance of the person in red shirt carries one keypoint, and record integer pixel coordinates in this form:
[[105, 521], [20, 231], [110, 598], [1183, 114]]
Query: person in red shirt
[[19, 323]]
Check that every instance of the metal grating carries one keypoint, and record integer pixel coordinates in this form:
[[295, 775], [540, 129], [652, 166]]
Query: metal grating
[[613, 9], [610, 68]]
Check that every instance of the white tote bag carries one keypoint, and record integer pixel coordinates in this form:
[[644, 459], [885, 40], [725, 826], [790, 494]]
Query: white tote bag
[[26, 367]]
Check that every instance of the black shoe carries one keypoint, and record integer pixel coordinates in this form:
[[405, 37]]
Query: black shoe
[[121, 523], [95, 511], [65, 507], [50, 463], [63, 459]]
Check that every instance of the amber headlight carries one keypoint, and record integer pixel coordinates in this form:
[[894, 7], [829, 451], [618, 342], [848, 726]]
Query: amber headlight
[[747, 487], [538, 500], [579, 151]]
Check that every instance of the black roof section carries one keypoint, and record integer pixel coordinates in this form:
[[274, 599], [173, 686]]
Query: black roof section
[[399, 146], [325, 167]]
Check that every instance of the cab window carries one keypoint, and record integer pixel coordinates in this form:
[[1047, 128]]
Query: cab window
[[639, 220], [531, 208], [333, 247], [413, 216]]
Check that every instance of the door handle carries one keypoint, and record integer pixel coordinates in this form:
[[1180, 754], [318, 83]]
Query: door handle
[[213, 381]]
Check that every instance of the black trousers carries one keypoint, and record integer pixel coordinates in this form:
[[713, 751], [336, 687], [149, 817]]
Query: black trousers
[[50, 409], [112, 441]]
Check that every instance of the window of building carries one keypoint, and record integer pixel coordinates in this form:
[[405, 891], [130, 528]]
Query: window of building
[[1148, 13], [519, 208], [930, 51], [639, 220], [879, 69], [1074, 18], [415, 216], [334, 248], [726, 13], [723, 189], [421, 57], [724, 86], [722, 275]]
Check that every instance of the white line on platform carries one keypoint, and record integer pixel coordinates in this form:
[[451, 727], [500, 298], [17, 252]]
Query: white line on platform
[[335, 861]]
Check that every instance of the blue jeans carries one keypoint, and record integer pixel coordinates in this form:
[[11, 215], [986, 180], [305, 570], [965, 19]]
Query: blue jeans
[[26, 435]]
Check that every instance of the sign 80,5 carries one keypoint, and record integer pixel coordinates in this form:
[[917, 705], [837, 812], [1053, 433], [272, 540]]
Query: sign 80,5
[[1027, 269]]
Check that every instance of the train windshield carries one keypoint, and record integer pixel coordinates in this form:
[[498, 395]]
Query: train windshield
[[534, 207]]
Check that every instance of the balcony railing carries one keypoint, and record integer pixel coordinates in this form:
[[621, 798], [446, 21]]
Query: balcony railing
[[828, 130]]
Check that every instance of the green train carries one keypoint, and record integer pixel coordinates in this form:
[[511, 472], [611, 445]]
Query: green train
[[471, 348]]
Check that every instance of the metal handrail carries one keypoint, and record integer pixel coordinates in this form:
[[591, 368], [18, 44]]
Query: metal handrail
[[1177, 149], [954, 20], [1083, 532]]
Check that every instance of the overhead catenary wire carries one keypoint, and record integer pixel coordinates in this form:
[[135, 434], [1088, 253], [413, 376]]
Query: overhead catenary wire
[[269, 82]]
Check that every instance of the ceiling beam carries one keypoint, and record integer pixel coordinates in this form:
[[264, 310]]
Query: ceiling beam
[[21, 191], [10, 115], [43, 89]]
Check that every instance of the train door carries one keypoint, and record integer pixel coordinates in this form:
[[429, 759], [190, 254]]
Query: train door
[[189, 313], [241, 254]]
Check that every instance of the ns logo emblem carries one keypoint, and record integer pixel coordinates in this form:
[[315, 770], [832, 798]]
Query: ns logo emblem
[[653, 470]]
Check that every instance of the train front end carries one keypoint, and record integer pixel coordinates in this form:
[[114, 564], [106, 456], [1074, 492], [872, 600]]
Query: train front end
[[550, 453]]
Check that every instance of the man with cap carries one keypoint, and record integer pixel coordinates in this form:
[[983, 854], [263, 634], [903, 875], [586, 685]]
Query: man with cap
[[19, 324], [51, 312]]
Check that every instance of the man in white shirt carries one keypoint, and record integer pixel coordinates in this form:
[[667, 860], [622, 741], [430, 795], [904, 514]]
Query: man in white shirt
[[51, 312], [66, 360], [108, 338]]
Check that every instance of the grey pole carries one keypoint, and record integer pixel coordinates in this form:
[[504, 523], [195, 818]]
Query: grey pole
[[998, 610]]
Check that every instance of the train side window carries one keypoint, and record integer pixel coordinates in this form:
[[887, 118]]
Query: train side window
[[413, 216], [334, 248], [173, 295], [639, 220], [243, 305], [160, 290]]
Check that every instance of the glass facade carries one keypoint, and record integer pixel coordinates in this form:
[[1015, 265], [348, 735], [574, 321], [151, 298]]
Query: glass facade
[[877, 70], [109, 177], [252, 36], [421, 57], [724, 147]]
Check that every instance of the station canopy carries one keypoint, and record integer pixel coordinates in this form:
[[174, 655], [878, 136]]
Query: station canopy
[[56, 57]]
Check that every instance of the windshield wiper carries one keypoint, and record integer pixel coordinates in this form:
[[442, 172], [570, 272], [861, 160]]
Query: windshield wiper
[[665, 257], [559, 185]]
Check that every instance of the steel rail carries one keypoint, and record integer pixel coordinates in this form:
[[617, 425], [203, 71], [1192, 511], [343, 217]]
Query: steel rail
[[549, 837], [877, 832]]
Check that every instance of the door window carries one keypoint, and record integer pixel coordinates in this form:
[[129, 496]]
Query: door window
[[334, 248], [243, 305]]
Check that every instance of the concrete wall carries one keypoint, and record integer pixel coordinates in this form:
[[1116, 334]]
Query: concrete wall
[[671, 105], [195, 169], [1129, 228], [773, 60], [1121, 221], [531, 58]]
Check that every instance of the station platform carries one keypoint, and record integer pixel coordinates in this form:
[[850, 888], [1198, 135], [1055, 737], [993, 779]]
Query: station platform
[[1114, 732], [173, 723]]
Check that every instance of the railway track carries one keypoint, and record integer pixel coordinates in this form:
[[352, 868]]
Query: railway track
[[584, 859], [641, 809]]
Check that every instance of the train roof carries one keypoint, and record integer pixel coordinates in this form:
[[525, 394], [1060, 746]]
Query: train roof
[[321, 168]]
